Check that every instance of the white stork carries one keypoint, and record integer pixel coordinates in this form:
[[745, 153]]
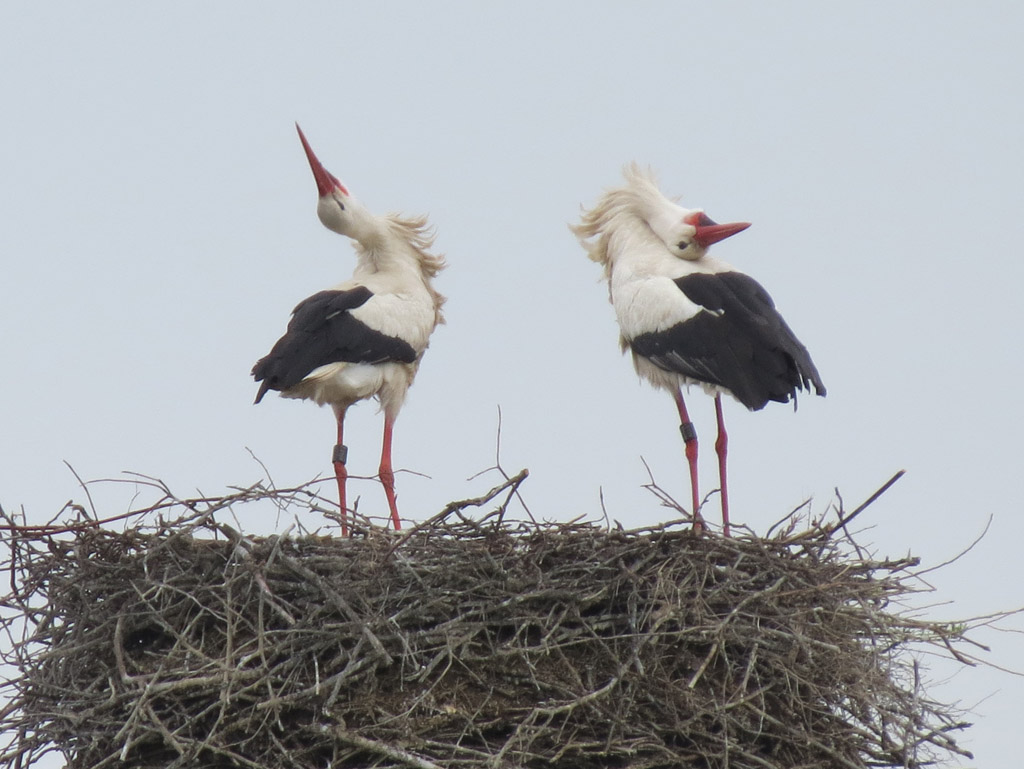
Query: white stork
[[365, 337], [688, 318]]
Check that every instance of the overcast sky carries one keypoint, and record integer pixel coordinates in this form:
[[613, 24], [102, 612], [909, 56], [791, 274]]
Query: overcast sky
[[160, 225]]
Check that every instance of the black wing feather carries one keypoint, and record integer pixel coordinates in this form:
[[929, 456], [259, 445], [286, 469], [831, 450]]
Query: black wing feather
[[322, 331], [742, 344]]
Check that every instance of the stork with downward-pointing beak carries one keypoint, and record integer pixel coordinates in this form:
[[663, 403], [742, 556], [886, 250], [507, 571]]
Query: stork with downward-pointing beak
[[365, 337], [687, 317]]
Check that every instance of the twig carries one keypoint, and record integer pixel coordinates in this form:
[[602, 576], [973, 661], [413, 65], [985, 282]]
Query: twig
[[842, 522], [497, 466], [84, 487], [964, 551], [430, 523], [374, 746]]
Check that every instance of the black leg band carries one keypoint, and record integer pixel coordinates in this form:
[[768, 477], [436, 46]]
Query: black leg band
[[687, 430], [340, 453]]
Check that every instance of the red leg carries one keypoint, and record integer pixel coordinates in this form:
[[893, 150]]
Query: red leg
[[722, 449], [387, 476], [690, 440], [340, 472]]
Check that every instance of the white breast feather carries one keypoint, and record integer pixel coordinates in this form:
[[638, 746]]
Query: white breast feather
[[644, 305], [398, 308], [642, 283], [404, 316]]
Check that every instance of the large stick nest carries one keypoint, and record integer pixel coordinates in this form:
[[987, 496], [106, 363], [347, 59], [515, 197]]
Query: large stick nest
[[476, 643]]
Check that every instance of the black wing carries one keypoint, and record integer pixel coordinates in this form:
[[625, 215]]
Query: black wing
[[741, 343], [322, 331]]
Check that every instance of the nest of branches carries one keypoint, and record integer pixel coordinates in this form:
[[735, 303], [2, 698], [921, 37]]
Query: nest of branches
[[465, 641]]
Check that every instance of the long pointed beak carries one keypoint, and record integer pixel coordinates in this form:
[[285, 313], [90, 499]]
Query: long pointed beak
[[712, 233], [326, 182]]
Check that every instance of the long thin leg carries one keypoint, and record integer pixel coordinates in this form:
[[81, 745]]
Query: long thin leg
[[722, 449], [387, 475], [340, 472], [690, 439]]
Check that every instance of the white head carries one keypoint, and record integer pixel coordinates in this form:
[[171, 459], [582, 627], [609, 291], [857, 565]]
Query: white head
[[337, 209], [687, 233], [393, 243]]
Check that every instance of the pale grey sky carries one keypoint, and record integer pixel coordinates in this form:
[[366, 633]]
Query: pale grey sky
[[160, 225]]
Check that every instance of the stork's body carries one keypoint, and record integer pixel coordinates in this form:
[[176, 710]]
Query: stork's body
[[687, 317], [365, 337]]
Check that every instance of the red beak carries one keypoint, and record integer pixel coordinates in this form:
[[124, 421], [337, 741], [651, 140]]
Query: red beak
[[709, 232], [326, 182]]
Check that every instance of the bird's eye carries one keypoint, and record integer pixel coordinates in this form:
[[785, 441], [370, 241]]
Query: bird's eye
[[340, 204], [682, 245]]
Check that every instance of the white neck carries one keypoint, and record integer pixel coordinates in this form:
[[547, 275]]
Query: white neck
[[380, 248]]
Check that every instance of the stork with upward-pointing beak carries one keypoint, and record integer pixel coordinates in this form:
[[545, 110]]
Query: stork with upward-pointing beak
[[687, 317], [365, 337]]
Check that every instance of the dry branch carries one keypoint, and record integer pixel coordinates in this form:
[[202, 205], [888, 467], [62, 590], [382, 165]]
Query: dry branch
[[463, 642]]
